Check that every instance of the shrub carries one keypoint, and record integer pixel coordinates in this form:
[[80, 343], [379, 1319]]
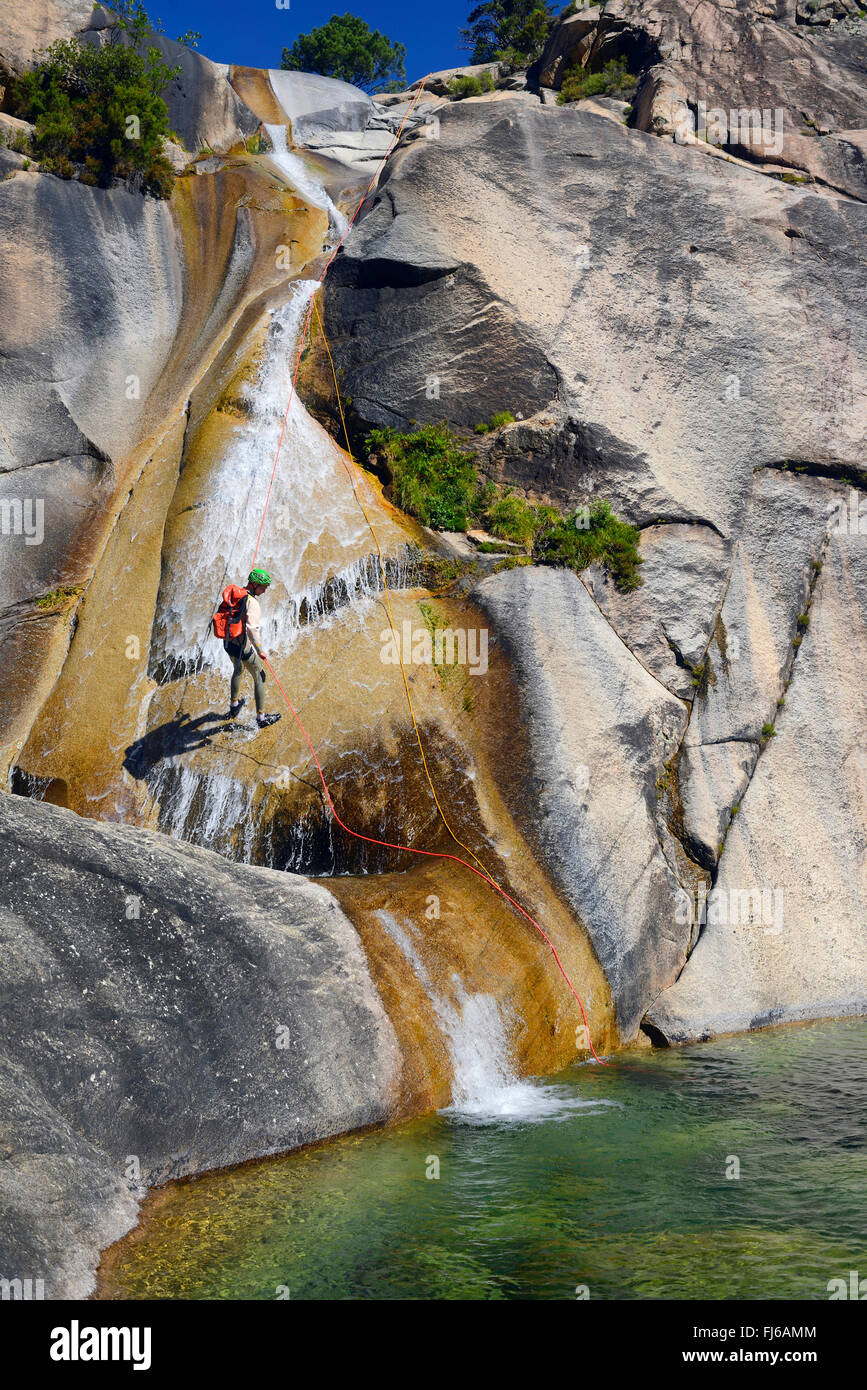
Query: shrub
[[614, 80], [768, 731], [496, 422], [467, 85], [512, 519], [606, 539], [434, 479], [99, 110]]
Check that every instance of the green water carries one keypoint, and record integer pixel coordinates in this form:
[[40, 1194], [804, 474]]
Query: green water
[[610, 1177]]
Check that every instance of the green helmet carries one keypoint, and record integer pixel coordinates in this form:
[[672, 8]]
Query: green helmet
[[259, 577]]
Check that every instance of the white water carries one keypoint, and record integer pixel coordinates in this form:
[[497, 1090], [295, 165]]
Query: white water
[[313, 519], [302, 180], [486, 1088]]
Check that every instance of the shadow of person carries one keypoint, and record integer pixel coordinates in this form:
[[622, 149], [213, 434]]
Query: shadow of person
[[179, 735]]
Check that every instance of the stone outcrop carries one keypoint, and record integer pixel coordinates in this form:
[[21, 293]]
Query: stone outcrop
[[164, 1012], [789, 83], [784, 936], [652, 268], [601, 730]]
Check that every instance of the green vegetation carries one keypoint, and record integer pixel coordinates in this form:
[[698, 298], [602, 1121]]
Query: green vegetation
[[346, 48], [803, 622], [58, 596], [614, 80], [496, 422], [434, 478], [605, 540], [511, 518], [768, 731], [98, 111], [512, 31], [469, 86]]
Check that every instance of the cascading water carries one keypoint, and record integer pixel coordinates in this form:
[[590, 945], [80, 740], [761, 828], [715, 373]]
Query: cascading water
[[302, 180], [313, 518], [315, 542], [486, 1088]]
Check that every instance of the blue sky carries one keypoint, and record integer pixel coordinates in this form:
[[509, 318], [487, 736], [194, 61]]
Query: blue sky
[[255, 32]]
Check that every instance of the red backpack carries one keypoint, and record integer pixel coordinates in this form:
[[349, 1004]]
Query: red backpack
[[230, 619]]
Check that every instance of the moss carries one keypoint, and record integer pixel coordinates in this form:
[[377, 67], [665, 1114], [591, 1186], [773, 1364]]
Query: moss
[[58, 596], [513, 562]]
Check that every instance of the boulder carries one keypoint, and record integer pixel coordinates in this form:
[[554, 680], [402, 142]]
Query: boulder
[[26, 26], [749, 59], [316, 105], [570, 42], [164, 1012]]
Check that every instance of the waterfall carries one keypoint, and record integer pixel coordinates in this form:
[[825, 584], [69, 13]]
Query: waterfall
[[316, 541], [302, 180], [486, 1088]]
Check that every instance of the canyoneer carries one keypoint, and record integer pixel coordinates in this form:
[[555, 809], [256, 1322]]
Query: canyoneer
[[238, 621]]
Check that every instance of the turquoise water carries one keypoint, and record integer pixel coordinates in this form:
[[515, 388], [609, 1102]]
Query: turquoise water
[[613, 1178]]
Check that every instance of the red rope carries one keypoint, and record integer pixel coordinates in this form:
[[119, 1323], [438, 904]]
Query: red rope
[[435, 854]]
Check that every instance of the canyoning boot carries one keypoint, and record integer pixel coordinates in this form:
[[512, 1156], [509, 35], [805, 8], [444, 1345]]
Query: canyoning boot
[[263, 720], [235, 709]]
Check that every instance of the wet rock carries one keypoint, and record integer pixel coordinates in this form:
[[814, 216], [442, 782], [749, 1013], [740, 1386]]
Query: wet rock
[[164, 1012]]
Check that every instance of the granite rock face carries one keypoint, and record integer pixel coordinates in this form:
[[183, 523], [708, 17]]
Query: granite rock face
[[782, 87], [601, 729], [661, 323], [139, 972], [784, 937]]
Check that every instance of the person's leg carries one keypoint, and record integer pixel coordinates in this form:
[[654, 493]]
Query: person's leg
[[254, 665], [237, 673]]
